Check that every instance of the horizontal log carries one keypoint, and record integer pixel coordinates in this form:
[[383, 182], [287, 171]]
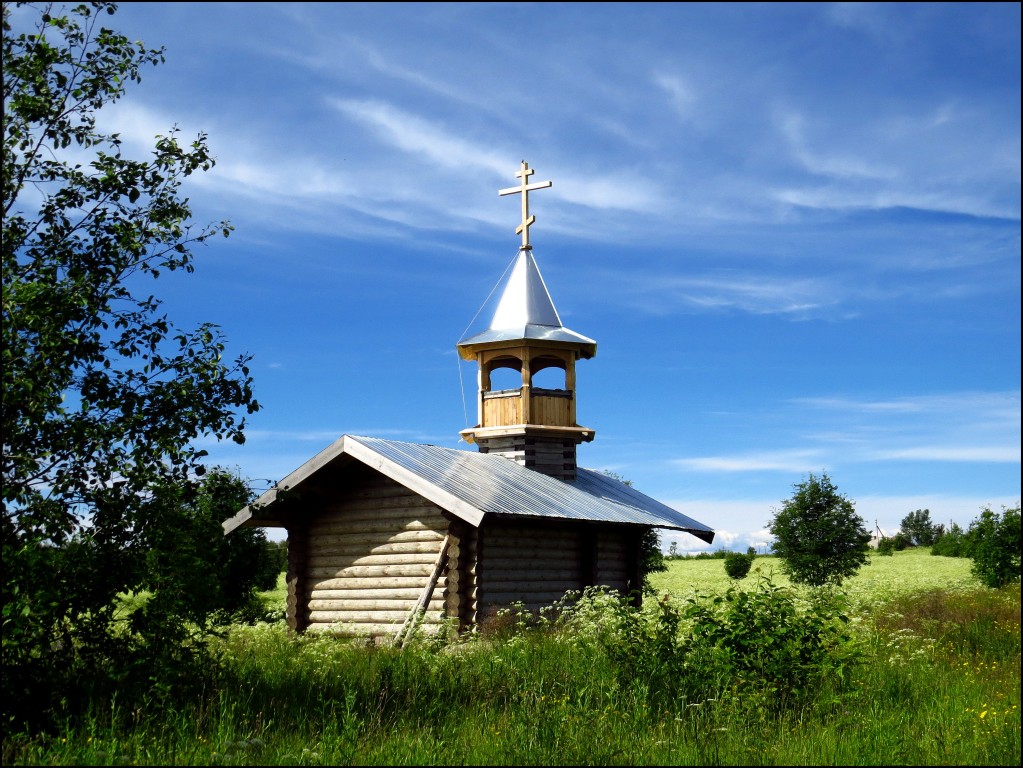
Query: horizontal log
[[385, 535], [318, 549], [529, 543], [514, 575], [367, 630], [531, 607], [372, 582], [506, 598], [362, 606], [369, 571], [544, 585], [384, 520], [379, 490], [370, 517], [395, 593], [327, 557], [370, 617], [336, 526], [366, 508], [526, 563], [505, 592]]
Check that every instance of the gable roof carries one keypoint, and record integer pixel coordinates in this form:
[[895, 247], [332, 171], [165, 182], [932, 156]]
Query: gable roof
[[471, 485]]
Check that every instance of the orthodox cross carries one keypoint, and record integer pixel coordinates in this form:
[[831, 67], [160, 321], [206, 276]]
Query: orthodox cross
[[527, 221]]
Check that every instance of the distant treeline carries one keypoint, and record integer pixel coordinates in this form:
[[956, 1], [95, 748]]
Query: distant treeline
[[717, 554]]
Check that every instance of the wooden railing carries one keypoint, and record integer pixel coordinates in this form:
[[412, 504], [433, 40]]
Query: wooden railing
[[551, 407]]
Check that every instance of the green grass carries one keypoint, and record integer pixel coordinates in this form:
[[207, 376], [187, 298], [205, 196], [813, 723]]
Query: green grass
[[883, 578], [939, 683]]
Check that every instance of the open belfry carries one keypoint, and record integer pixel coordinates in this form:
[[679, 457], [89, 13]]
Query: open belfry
[[533, 426], [385, 536]]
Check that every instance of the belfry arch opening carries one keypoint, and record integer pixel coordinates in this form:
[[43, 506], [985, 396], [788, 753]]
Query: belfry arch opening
[[503, 373], [548, 373]]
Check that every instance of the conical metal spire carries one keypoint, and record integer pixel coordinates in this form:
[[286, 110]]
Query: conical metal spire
[[526, 311], [525, 300]]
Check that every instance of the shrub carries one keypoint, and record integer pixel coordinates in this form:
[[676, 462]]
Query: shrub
[[770, 638], [886, 546], [952, 543], [737, 565]]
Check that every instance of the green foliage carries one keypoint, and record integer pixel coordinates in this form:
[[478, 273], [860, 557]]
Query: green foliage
[[818, 535], [886, 546], [995, 546], [556, 694], [769, 637], [737, 564], [918, 528], [952, 543], [103, 397], [717, 554], [651, 559]]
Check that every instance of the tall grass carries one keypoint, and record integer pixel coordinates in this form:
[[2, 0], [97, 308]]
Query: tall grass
[[929, 676]]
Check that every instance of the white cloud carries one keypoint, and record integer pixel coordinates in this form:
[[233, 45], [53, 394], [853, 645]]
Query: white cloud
[[748, 292], [776, 461], [831, 163], [681, 94], [994, 453], [415, 135]]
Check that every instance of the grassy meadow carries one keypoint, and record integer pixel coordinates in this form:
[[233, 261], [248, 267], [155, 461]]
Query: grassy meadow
[[914, 663]]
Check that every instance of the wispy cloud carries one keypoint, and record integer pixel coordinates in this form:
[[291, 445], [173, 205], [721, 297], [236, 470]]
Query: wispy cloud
[[746, 292], [776, 461], [993, 453], [415, 135], [680, 92]]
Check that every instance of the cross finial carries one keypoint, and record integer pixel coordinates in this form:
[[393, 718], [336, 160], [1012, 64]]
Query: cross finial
[[524, 189]]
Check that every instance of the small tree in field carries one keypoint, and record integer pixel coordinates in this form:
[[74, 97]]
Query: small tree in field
[[995, 546], [918, 528], [818, 535]]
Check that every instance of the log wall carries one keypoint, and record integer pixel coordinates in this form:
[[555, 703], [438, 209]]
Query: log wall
[[366, 559], [536, 562], [358, 566]]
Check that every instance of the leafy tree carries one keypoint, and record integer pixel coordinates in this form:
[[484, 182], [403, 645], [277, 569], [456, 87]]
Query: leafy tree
[[995, 546], [191, 568], [651, 558], [818, 534], [951, 543], [103, 396], [918, 528]]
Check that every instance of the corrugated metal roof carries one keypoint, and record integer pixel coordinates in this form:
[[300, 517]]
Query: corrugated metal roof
[[474, 485], [526, 311], [497, 485]]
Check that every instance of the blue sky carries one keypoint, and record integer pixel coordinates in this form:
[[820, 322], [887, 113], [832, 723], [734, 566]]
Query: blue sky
[[793, 231]]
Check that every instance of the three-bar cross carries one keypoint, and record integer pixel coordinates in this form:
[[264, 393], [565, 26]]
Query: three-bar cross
[[527, 221]]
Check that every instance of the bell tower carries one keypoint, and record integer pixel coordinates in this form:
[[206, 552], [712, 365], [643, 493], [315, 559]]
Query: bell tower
[[533, 426]]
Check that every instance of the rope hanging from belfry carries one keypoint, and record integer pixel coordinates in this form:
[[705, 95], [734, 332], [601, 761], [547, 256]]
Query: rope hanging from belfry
[[458, 357]]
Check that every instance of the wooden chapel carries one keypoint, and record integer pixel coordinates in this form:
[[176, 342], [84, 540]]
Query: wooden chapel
[[382, 532]]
